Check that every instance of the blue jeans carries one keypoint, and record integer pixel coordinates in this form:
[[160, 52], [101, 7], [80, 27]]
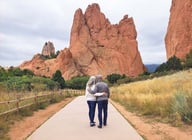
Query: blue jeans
[[102, 107], [91, 105]]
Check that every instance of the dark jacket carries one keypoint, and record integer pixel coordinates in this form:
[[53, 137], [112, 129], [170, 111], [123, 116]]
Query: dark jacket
[[99, 88]]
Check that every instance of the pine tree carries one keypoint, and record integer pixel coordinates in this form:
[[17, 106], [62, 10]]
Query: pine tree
[[57, 76]]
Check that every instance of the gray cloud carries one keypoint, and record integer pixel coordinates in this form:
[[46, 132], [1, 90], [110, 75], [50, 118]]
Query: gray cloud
[[26, 25]]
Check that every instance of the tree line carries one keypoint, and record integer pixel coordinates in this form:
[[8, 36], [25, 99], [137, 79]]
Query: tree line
[[15, 79]]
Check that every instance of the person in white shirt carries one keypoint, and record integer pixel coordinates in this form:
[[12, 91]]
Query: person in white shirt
[[91, 99]]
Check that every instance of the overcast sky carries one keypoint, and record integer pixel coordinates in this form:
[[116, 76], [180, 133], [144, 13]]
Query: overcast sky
[[25, 25]]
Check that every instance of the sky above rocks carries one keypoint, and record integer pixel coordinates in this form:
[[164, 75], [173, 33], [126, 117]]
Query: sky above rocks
[[25, 25]]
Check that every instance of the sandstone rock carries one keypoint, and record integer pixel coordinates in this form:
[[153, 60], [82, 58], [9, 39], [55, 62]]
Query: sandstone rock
[[99, 47], [48, 49], [179, 32], [96, 47], [40, 66], [47, 67], [66, 64]]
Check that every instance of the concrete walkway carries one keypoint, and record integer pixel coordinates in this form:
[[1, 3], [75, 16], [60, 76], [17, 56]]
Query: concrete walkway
[[72, 123]]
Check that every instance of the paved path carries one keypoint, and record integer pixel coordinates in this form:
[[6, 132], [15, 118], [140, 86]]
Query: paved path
[[71, 123]]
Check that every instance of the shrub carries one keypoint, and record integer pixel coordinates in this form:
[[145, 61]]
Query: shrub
[[173, 63], [188, 60], [182, 106], [124, 80], [78, 82], [112, 78], [3, 74], [161, 68], [18, 84], [28, 72], [57, 76], [27, 83]]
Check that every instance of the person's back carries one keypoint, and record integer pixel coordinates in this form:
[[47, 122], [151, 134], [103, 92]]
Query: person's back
[[102, 87], [102, 102]]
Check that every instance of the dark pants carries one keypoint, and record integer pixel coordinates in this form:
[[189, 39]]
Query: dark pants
[[92, 105], [102, 107]]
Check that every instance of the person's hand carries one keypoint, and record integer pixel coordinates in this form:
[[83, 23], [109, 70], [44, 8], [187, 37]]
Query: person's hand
[[104, 94]]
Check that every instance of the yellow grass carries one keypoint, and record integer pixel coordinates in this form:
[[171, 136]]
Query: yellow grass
[[14, 98], [158, 96]]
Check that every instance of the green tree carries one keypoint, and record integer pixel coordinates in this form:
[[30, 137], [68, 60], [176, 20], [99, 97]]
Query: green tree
[[112, 78], [3, 74], [161, 68], [78, 82], [57, 76], [173, 63], [28, 72], [188, 60]]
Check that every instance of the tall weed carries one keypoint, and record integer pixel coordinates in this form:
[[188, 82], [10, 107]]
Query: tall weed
[[182, 105]]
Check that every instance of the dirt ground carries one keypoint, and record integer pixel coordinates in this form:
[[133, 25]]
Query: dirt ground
[[22, 129], [148, 128], [153, 130]]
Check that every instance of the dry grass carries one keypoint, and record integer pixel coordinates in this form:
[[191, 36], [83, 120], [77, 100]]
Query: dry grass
[[14, 99], [8, 119], [167, 97]]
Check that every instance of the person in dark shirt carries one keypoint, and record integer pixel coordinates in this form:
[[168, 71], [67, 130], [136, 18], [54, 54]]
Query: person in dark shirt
[[102, 101]]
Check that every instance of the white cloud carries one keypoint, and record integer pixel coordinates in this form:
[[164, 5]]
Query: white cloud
[[26, 25]]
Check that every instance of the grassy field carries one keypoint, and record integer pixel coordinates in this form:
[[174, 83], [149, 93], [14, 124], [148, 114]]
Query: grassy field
[[168, 98]]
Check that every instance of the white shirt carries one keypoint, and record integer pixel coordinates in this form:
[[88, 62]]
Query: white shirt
[[89, 96]]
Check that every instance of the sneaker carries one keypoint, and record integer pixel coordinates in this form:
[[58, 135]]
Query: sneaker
[[105, 124], [92, 124], [99, 126]]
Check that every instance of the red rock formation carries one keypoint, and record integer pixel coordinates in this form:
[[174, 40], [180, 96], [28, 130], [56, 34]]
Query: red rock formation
[[40, 66], [47, 67], [179, 32], [99, 47], [48, 49], [96, 47]]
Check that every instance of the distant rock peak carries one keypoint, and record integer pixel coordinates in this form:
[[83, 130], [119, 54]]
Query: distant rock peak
[[48, 49]]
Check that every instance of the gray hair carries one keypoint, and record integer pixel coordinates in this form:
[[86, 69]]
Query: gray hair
[[99, 78], [91, 81]]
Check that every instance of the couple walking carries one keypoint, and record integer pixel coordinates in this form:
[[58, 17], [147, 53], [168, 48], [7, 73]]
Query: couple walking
[[97, 92]]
